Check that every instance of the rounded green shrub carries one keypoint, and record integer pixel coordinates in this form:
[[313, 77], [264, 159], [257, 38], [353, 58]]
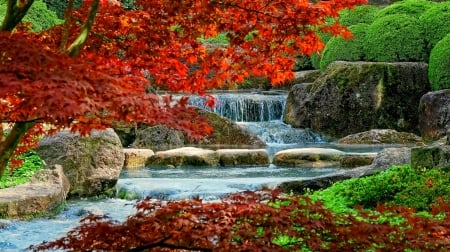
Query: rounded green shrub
[[439, 65], [339, 48], [360, 14], [395, 38], [435, 23], [317, 57], [410, 7]]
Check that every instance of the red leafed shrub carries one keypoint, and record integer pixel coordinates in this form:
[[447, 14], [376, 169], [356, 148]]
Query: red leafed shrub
[[251, 222]]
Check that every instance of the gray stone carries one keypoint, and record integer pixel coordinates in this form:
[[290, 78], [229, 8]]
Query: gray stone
[[430, 157], [385, 159], [356, 159], [352, 97], [381, 136], [185, 156], [136, 158], [307, 157], [44, 192], [158, 138], [239, 157], [92, 164], [434, 114]]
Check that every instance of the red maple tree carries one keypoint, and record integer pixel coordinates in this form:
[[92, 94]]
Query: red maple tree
[[96, 68]]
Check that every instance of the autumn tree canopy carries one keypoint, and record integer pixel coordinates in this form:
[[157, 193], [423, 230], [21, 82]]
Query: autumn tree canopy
[[95, 68]]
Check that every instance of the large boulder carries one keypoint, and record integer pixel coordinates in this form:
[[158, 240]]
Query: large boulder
[[92, 164], [46, 191], [352, 97], [158, 138], [429, 157], [434, 114]]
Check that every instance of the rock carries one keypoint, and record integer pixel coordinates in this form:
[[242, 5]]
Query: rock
[[352, 97], [434, 114], [385, 159], [431, 157], [243, 157], [185, 156], [158, 138], [136, 158], [44, 192], [92, 164], [227, 133], [381, 136], [315, 157], [356, 160]]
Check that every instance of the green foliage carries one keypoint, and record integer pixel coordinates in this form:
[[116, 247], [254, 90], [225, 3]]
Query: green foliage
[[410, 7], [360, 14], [220, 39], [31, 164], [302, 63], [395, 38], [317, 57], [399, 185], [38, 15], [435, 23], [439, 65], [339, 48]]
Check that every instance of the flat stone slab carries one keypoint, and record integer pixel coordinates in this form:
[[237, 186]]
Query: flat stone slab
[[352, 160], [46, 190], [136, 158], [238, 157], [308, 157], [185, 156]]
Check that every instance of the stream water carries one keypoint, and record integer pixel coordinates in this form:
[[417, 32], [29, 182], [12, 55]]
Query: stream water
[[260, 113]]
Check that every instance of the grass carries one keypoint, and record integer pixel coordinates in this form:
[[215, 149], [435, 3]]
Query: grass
[[31, 164]]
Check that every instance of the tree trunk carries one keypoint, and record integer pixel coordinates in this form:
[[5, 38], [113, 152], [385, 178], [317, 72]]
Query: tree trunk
[[9, 143], [14, 13]]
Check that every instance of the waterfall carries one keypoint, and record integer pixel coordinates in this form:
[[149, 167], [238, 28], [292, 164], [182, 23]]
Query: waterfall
[[246, 107]]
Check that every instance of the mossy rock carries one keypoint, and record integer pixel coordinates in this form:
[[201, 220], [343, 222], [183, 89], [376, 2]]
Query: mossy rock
[[395, 38], [360, 14], [435, 24], [410, 7], [439, 65], [339, 48]]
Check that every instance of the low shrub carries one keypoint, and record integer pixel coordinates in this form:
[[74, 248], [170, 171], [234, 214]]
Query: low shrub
[[360, 14], [410, 7], [339, 48], [395, 38], [439, 65], [432, 23], [20, 175]]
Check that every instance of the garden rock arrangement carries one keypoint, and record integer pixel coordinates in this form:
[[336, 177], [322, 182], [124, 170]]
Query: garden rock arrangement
[[92, 164], [434, 114], [47, 190], [352, 97]]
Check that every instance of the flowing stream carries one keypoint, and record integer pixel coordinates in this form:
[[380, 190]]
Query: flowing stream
[[260, 113]]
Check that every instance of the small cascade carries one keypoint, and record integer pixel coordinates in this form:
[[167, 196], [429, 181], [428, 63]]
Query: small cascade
[[246, 107]]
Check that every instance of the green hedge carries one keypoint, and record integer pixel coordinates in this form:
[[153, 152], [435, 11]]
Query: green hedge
[[360, 14], [339, 48], [410, 7], [439, 65], [317, 57], [435, 23], [395, 38]]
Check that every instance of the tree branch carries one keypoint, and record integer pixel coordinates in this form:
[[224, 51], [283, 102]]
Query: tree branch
[[15, 11]]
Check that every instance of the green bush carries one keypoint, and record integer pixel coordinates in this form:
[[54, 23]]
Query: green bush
[[410, 7], [38, 15], [339, 48], [439, 65], [31, 164], [360, 14], [395, 38], [317, 57], [399, 185], [435, 23]]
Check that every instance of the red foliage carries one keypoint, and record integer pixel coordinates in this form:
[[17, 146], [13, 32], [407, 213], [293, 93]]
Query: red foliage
[[249, 222], [154, 45]]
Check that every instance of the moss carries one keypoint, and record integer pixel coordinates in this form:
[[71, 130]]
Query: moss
[[360, 14], [439, 65], [395, 38], [410, 7], [432, 23], [339, 48]]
